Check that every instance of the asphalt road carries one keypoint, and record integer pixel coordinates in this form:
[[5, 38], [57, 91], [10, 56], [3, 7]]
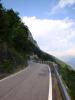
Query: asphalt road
[[30, 84]]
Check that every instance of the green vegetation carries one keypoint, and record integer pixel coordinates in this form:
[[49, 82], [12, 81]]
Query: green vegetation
[[15, 48], [68, 76], [15, 45]]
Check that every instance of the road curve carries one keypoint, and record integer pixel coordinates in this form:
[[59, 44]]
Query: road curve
[[30, 84]]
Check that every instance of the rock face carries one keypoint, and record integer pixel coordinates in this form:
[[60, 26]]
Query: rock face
[[30, 37]]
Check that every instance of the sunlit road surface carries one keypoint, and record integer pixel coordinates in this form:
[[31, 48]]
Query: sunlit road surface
[[30, 84]]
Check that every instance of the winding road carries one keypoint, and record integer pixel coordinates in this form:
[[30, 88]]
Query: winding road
[[32, 83]]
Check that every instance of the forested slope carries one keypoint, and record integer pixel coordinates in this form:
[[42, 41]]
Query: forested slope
[[16, 42], [17, 45]]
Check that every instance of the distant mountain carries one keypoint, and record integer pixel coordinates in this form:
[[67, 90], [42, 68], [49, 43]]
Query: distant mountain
[[17, 46], [69, 60]]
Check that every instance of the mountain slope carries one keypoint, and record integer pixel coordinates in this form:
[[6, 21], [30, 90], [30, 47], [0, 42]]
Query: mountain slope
[[70, 60], [17, 45], [16, 42]]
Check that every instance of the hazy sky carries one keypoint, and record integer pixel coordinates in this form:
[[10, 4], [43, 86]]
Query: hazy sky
[[52, 23]]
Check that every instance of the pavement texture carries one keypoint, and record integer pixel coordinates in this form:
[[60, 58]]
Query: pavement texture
[[30, 84]]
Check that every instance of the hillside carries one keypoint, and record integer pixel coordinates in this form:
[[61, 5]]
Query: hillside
[[16, 42], [68, 76], [17, 45], [69, 60]]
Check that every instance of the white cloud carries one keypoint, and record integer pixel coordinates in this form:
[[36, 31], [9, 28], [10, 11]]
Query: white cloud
[[62, 4], [52, 35]]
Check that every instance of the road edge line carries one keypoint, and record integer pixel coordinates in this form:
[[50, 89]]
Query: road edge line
[[50, 86], [14, 74]]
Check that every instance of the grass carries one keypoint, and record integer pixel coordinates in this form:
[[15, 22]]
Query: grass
[[68, 76]]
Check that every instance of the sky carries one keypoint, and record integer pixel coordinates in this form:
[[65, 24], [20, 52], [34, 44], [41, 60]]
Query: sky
[[51, 22]]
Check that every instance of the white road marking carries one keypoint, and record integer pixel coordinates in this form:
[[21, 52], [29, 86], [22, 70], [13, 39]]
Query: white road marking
[[50, 86], [13, 75]]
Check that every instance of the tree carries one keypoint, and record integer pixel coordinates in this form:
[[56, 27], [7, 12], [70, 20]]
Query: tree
[[2, 22]]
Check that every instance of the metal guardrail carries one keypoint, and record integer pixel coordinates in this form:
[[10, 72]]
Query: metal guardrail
[[64, 93]]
